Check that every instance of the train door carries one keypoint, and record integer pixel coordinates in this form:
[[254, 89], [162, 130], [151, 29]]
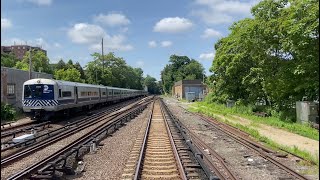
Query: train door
[[75, 95]]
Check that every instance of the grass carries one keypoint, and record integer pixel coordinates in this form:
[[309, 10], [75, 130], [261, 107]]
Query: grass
[[271, 144], [301, 129]]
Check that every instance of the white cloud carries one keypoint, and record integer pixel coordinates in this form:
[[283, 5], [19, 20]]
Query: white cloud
[[90, 34], [166, 43], [222, 11], [209, 33], [84, 33], [207, 56], [5, 23], [152, 44], [173, 25], [112, 19], [41, 2], [57, 45], [140, 64], [38, 42]]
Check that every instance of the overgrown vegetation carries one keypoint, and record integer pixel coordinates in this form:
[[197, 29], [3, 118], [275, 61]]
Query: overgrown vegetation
[[214, 108], [265, 140], [272, 57], [8, 113]]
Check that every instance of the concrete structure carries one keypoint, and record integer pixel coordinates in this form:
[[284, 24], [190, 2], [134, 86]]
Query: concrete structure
[[20, 50], [181, 88], [307, 111], [12, 83]]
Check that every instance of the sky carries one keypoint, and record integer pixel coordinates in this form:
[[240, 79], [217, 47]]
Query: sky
[[145, 32]]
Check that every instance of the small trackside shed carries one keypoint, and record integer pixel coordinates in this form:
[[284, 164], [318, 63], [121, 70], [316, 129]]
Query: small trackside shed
[[183, 87]]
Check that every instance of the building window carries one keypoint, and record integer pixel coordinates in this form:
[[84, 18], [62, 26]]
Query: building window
[[11, 89]]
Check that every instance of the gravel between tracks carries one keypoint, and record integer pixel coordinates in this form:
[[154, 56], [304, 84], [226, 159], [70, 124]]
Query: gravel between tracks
[[109, 161], [245, 163], [43, 153]]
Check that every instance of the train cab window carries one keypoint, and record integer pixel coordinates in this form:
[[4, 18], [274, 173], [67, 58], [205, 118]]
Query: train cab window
[[38, 91], [66, 93], [27, 91]]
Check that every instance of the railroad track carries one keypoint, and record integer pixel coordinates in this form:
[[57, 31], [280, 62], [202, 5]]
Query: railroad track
[[84, 142], [161, 152], [243, 139], [45, 139]]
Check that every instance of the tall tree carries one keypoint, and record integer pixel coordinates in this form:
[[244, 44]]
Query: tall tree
[[40, 62], [179, 68]]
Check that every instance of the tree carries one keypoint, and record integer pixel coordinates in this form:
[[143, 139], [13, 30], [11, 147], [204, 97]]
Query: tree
[[180, 67], [61, 65], [152, 85], [113, 72], [8, 60], [40, 62], [273, 56], [68, 75]]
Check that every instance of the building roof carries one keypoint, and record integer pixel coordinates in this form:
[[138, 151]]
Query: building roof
[[191, 82]]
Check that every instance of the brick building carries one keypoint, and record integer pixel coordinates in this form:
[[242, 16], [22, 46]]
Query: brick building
[[12, 83], [183, 87], [20, 50]]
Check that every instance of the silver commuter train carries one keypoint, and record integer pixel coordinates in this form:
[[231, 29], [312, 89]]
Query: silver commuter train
[[42, 98]]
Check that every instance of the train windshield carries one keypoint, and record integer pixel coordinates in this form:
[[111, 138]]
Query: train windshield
[[38, 91]]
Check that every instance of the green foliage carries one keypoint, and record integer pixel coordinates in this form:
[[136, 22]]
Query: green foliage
[[151, 83], [246, 112], [40, 62], [273, 57], [180, 68], [71, 74], [8, 60], [113, 71], [8, 113]]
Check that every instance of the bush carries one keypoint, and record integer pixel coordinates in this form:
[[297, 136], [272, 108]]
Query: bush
[[8, 113]]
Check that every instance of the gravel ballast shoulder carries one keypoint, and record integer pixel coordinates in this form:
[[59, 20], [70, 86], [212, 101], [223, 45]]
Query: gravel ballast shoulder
[[110, 159]]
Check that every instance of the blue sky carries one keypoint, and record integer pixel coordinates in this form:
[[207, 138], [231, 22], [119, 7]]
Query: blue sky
[[145, 33]]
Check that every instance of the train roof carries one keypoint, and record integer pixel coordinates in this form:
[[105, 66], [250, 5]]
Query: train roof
[[69, 83]]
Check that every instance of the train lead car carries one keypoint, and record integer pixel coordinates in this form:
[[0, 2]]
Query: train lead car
[[42, 98]]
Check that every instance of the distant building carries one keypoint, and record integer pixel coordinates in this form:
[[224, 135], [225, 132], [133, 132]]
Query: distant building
[[185, 89], [20, 50], [12, 83]]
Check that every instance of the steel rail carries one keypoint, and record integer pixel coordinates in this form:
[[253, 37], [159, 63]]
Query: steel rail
[[143, 147], [42, 144], [84, 139], [256, 148], [174, 148]]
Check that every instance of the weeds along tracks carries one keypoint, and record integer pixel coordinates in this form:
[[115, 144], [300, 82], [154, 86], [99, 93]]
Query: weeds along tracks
[[262, 151], [244, 139], [160, 151], [73, 143]]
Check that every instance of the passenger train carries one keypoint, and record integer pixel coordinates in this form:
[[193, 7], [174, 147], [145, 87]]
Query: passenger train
[[42, 98]]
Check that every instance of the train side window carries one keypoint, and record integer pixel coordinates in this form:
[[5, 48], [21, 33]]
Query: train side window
[[66, 93], [60, 95], [104, 93]]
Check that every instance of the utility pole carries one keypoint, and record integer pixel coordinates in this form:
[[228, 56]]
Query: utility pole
[[102, 56], [30, 66]]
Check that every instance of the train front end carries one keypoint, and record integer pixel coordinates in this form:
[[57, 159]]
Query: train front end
[[38, 98]]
